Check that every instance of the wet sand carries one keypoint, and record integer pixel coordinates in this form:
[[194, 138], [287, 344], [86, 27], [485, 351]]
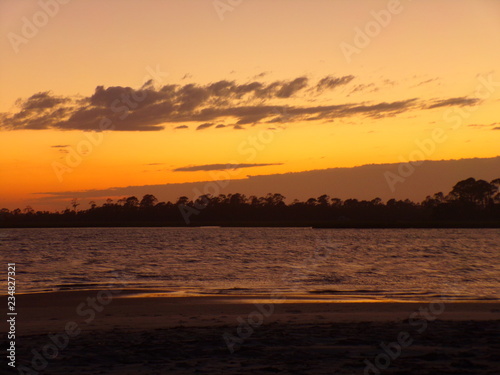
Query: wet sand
[[104, 332]]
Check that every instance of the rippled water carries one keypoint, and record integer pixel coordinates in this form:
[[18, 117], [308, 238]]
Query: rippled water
[[404, 264]]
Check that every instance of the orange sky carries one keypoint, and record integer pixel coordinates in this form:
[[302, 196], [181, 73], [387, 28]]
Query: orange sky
[[427, 65]]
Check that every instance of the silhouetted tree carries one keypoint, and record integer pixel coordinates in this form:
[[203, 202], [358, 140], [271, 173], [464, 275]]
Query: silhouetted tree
[[312, 202], [323, 200], [336, 202], [182, 200], [74, 203], [478, 192], [470, 201], [148, 201], [131, 202], [28, 210], [237, 199]]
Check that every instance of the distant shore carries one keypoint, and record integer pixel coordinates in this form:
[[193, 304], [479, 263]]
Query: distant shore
[[314, 225], [470, 204]]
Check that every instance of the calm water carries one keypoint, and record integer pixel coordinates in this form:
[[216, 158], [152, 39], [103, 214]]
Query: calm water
[[405, 264]]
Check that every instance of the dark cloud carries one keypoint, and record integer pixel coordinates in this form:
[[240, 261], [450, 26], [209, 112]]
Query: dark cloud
[[205, 125], [146, 108], [389, 82], [496, 128], [370, 87], [461, 101], [41, 101], [61, 148], [150, 109], [330, 82], [290, 88], [219, 167], [425, 82], [347, 110], [220, 126], [261, 75], [484, 125]]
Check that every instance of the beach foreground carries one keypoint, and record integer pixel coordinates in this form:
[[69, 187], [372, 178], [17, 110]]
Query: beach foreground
[[124, 332]]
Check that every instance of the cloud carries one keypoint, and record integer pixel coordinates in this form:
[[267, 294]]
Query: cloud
[[425, 82], [220, 126], [40, 101], [484, 125], [261, 75], [290, 88], [370, 87], [61, 148], [205, 125], [219, 167], [462, 101], [150, 108], [496, 128], [330, 82]]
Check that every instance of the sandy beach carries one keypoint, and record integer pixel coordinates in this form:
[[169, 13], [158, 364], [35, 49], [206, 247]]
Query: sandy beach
[[131, 332]]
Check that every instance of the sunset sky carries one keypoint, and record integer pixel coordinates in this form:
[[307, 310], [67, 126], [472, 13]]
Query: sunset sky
[[117, 93]]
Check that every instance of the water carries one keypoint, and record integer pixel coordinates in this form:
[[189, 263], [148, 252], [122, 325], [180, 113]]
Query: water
[[346, 264]]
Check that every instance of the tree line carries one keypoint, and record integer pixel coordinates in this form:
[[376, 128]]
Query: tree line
[[471, 202]]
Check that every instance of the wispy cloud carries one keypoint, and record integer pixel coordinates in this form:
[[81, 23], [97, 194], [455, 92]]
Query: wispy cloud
[[462, 101], [330, 82], [427, 81], [219, 167], [485, 125], [152, 108], [206, 125]]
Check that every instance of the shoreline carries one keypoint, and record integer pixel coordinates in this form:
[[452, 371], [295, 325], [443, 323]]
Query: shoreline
[[321, 296], [126, 333], [134, 308]]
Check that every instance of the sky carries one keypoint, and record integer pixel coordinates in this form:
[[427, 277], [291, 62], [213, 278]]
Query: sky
[[101, 95]]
